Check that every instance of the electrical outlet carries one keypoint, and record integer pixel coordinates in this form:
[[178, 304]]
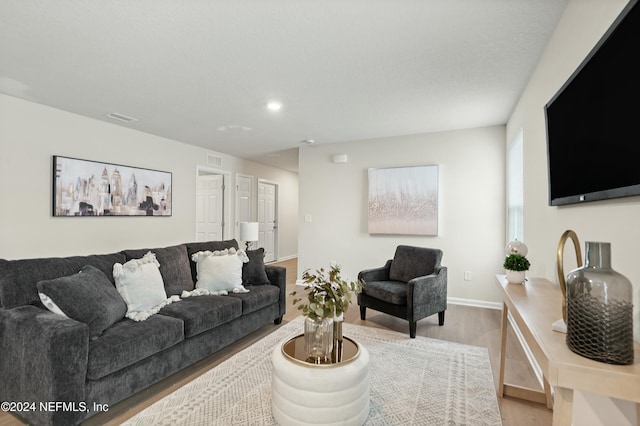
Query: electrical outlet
[[467, 275]]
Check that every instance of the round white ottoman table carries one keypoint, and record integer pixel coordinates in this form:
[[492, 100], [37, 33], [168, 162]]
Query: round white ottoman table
[[304, 393]]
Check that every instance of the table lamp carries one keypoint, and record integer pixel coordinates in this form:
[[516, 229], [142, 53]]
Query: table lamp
[[248, 232]]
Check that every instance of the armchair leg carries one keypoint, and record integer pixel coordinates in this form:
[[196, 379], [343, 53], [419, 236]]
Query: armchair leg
[[441, 318], [412, 329], [277, 321], [363, 312]]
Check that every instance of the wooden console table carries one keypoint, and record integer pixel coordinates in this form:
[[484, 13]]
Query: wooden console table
[[534, 306]]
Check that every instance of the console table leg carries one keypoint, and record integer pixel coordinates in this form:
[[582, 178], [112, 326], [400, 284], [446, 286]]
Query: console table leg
[[503, 347], [562, 406], [547, 392]]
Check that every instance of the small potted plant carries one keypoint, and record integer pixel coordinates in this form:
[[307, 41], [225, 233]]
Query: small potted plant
[[515, 266]]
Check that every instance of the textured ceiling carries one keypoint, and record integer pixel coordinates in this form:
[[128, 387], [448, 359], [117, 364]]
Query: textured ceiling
[[202, 71]]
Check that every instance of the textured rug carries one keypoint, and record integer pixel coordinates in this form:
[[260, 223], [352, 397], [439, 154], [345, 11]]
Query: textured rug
[[419, 381]]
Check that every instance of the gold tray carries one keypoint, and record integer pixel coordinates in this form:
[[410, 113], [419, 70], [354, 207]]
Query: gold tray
[[293, 350]]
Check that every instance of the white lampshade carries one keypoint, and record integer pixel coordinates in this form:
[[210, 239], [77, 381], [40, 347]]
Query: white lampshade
[[249, 231]]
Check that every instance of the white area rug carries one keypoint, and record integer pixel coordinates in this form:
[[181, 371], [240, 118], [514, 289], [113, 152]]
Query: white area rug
[[417, 381]]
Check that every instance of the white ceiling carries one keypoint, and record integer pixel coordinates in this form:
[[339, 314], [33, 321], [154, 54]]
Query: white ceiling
[[202, 71]]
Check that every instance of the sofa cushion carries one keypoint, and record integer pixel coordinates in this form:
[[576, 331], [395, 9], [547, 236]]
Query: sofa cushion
[[140, 283], [253, 272], [220, 271], [207, 246], [258, 297], [87, 296], [410, 262], [390, 291], [18, 278], [174, 267], [127, 342], [202, 313]]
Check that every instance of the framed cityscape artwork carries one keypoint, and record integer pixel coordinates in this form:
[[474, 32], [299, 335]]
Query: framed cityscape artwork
[[92, 188], [403, 200]]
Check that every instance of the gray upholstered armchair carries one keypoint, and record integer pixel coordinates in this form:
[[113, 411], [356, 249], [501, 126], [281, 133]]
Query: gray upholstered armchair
[[412, 286]]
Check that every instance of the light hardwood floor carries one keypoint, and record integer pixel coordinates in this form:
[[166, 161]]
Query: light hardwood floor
[[463, 324]]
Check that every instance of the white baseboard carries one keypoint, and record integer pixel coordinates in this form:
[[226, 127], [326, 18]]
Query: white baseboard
[[473, 302], [281, 259]]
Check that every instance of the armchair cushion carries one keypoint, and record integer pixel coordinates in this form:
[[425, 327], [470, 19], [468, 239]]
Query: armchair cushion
[[394, 292], [405, 267]]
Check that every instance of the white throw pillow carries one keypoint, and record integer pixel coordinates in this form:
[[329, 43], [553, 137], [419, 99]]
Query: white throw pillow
[[220, 272], [140, 284]]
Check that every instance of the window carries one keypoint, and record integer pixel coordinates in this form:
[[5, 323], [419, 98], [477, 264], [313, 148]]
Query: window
[[515, 189]]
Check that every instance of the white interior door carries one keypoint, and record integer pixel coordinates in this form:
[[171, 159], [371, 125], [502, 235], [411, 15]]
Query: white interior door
[[244, 195], [209, 207], [267, 225]]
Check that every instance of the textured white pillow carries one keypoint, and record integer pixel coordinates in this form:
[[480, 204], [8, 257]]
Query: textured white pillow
[[140, 284], [220, 272]]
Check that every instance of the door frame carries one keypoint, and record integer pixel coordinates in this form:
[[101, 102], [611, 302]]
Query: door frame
[[252, 202], [226, 182], [275, 213]]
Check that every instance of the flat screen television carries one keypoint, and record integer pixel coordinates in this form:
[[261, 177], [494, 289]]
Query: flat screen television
[[593, 122]]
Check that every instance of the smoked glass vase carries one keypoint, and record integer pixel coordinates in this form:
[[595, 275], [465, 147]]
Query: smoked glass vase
[[600, 309], [318, 339]]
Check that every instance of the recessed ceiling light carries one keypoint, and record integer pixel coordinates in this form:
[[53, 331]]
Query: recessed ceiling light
[[309, 141], [274, 106]]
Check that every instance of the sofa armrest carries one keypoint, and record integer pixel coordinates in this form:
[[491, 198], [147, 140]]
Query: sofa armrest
[[376, 274], [44, 360], [427, 295], [278, 277]]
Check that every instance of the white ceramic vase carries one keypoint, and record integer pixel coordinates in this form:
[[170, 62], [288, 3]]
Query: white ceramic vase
[[515, 277]]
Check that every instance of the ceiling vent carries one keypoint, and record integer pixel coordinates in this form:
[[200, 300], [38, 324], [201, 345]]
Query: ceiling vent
[[121, 117], [214, 160]]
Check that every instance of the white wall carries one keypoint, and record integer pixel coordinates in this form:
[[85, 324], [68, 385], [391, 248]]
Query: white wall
[[471, 205], [614, 221], [30, 134]]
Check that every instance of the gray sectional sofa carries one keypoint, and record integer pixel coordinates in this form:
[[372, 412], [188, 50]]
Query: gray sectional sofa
[[58, 368]]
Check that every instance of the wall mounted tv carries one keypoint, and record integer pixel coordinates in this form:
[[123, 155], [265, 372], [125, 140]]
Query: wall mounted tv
[[593, 122]]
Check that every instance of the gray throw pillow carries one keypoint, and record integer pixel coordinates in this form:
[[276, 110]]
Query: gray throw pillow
[[253, 272], [87, 296]]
